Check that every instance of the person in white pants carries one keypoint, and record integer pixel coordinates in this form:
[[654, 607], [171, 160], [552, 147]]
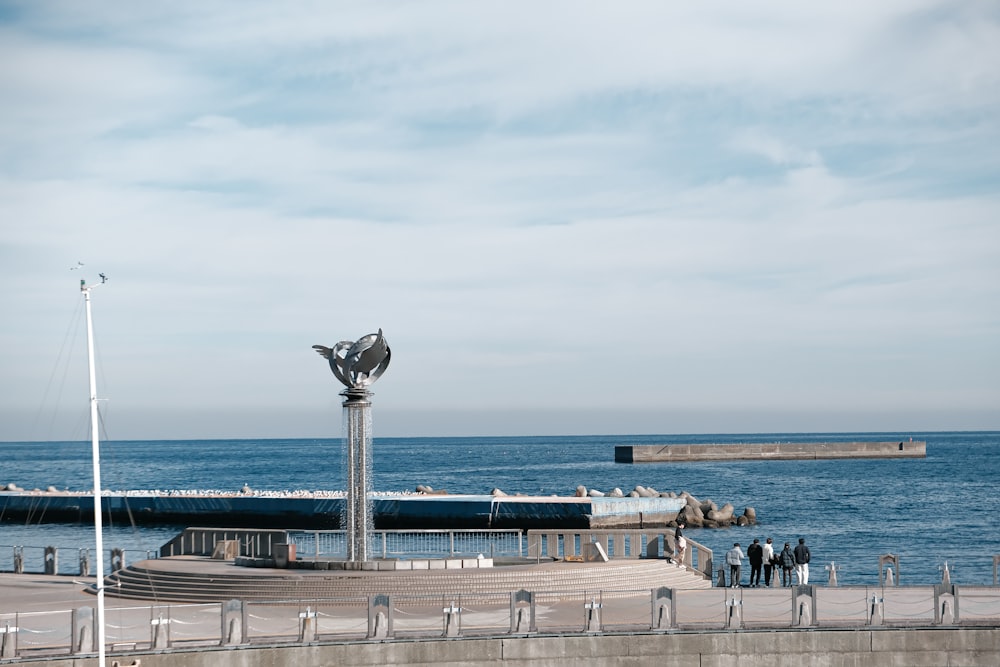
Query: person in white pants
[[802, 558]]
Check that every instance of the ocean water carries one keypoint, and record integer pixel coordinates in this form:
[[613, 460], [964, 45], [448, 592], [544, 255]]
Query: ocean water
[[927, 511]]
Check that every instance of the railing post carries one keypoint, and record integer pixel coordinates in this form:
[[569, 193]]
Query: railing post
[[664, 609], [83, 639], [379, 617], [8, 639], [452, 620], [234, 623], [593, 615], [522, 612]]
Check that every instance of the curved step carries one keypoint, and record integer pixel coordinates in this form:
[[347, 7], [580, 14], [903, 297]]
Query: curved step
[[204, 580]]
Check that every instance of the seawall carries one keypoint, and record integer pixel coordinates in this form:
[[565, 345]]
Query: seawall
[[905, 449], [971, 647], [315, 511]]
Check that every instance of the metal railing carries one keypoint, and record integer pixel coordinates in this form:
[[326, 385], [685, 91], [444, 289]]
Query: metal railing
[[35, 635], [410, 544], [619, 544]]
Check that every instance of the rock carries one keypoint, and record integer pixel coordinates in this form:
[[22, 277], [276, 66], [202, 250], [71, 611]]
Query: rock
[[246, 489], [616, 493], [581, 491], [13, 487], [720, 515], [423, 488], [633, 494], [594, 493], [751, 514], [692, 516], [52, 489], [497, 493], [708, 506], [742, 520]]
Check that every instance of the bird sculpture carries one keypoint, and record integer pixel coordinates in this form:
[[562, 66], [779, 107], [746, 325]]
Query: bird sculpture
[[358, 364]]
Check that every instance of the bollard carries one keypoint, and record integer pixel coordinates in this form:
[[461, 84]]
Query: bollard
[[51, 560], [875, 610], [84, 639], [452, 620], [307, 626], [832, 569], [664, 610], [593, 615], [734, 616], [84, 562], [379, 616], [8, 641], [803, 604], [886, 563], [18, 560], [160, 628], [722, 577], [522, 612], [233, 623], [945, 575]]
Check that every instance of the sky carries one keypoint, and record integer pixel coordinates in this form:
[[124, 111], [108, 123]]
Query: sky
[[567, 218]]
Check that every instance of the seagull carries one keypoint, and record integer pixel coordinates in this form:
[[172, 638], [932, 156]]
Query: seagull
[[104, 278], [78, 265]]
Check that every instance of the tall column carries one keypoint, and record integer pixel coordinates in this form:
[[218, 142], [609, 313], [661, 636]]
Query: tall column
[[357, 418], [357, 365]]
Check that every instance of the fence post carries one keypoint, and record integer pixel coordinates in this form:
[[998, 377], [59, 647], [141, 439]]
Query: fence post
[[522, 612], [452, 620], [379, 617], [803, 605], [19, 561], [307, 625], [160, 628], [593, 615], [664, 609], [8, 639], [83, 637], [234, 623]]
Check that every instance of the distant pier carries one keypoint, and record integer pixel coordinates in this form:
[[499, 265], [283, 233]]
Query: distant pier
[[323, 511], [778, 451]]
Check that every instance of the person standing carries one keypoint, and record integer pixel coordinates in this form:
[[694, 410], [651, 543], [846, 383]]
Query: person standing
[[755, 554], [802, 557], [680, 544], [787, 560], [768, 556], [734, 559]]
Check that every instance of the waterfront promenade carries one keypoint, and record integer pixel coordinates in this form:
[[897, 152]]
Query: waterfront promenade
[[817, 625]]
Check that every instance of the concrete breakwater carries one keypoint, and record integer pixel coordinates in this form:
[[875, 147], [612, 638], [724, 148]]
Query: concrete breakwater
[[319, 510], [771, 451]]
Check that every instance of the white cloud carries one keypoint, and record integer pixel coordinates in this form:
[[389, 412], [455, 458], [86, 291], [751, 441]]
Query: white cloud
[[772, 206]]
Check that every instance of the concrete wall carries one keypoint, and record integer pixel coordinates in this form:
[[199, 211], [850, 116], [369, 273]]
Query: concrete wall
[[970, 647]]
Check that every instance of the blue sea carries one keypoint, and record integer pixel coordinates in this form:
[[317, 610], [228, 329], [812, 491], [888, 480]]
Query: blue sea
[[927, 511]]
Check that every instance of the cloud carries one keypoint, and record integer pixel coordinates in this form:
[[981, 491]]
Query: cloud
[[773, 206]]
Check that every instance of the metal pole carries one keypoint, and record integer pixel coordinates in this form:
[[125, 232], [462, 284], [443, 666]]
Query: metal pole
[[96, 457]]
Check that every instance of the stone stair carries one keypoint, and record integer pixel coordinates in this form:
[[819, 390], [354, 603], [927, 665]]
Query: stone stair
[[193, 579]]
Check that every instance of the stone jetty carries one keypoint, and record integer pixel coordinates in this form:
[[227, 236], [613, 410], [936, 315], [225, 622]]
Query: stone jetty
[[896, 449]]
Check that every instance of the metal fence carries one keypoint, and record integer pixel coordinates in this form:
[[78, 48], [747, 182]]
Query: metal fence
[[34, 635], [413, 544]]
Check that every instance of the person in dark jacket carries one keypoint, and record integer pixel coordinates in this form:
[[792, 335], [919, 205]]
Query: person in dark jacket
[[802, 558], [787, 561], [755, 554]]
